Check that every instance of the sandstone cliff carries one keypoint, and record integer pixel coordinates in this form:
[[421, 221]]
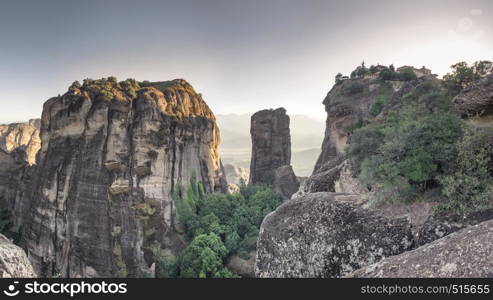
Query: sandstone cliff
[[22, 135], [271, 144], [112, 154]]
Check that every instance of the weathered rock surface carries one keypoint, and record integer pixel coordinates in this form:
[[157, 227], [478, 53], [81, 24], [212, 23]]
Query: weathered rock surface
[[112, 153], [438, 226], [477, 99], [326, 235], [285, 182], [466, 253], [22, 135], [271, 144], [13, 261]]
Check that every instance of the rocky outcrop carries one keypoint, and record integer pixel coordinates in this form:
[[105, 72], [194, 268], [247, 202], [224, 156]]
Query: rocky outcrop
[[15, 179], [271, 144], [112, 154], [476, 99], [438, 226], [285, 182], [349, 105], [13, 261], [466, 253], [22, 135], [236, 175], [326, 235]]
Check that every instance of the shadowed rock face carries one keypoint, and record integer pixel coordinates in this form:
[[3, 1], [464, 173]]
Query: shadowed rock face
[[15, 178], [21, 135], [438, 226], [466, 253], [112, 153], [13, 261], [271, 144], [326, 235], [477, 99], [285, 182]]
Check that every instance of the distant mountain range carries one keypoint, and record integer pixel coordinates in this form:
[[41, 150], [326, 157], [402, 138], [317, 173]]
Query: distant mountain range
[[306, 139]]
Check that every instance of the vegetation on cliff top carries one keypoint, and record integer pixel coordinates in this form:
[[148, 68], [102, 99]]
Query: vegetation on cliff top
[[180, 99]]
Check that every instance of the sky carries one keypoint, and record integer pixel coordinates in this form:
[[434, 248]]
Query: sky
[[242, 55]]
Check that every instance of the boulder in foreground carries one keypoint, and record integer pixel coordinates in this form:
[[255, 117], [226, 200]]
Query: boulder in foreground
[[13, 261], [326, 235], [466, 253]]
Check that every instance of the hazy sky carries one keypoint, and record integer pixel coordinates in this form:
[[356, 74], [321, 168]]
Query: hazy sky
[[242, 55]]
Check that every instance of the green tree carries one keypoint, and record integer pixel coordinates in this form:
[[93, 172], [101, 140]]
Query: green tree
[[463, 75], [203, 258], [363, 143], [468, 187]]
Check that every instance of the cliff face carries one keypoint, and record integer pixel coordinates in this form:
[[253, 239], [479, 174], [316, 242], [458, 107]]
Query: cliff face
[[349, 105], [112, 154], [22, 135], [271, 144]]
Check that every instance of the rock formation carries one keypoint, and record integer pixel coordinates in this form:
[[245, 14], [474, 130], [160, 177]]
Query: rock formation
[[271, 144], [235, 174], [22, 135], [477, 99], [13, 261], [112, 154], [438, 226], [348, 105], [285, 182], [271, 149], [326, 235], [466, 253]]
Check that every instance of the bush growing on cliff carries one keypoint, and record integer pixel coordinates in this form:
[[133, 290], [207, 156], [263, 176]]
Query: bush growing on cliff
[[463, 75], [407, 74], [468, 187], [355, 87], [412, 149], [383, 98]]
